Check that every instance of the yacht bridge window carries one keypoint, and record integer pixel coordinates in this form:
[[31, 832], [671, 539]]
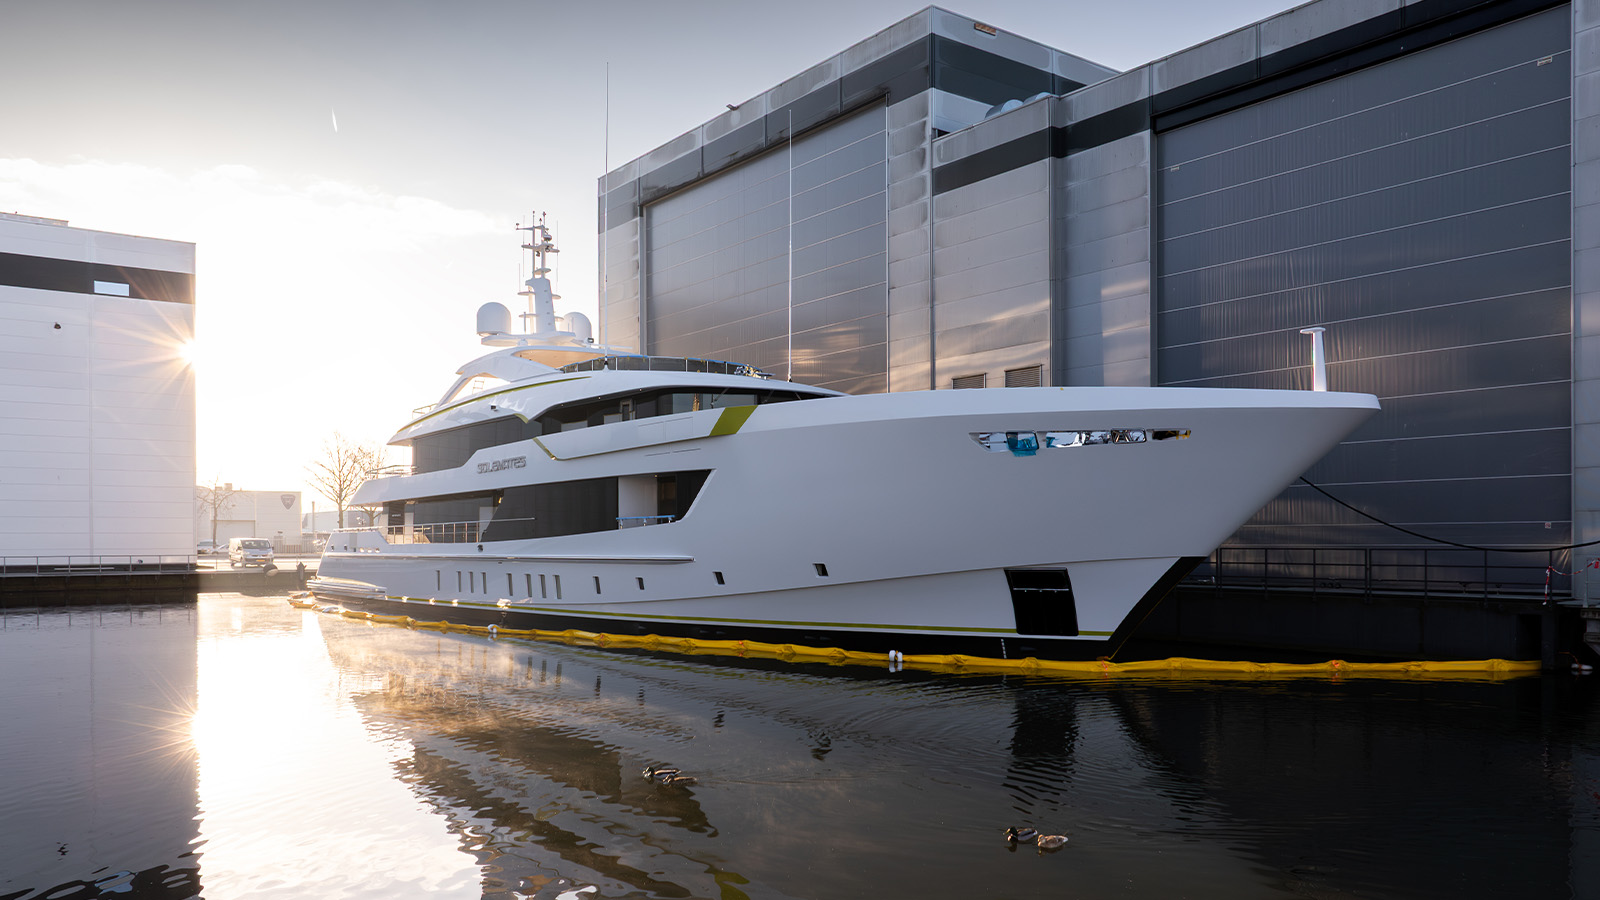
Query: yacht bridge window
[[546, 510], [450, 449]]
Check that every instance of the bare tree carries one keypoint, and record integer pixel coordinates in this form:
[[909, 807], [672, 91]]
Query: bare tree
[[215, 499], [345, 463], [371, 511]]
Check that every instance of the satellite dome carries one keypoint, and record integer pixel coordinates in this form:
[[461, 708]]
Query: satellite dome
[[493, 318]]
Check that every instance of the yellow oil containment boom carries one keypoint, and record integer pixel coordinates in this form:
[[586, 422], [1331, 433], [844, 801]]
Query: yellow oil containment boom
[[1174, 668]]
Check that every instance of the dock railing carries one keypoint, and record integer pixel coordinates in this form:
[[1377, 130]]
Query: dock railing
[[1587, 578], [1420, 571], [637, 521], [36, 566]]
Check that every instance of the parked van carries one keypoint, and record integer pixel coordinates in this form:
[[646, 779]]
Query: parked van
[[249, 552]]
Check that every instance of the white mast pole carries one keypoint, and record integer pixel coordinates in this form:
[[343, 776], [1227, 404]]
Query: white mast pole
[[1319, 359]]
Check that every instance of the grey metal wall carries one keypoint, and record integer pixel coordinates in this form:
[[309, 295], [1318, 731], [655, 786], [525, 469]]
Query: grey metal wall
[[780, 262], [1420, 210], [931, 73], [1101, 323], [1586, 275], [991, 263], [910, 274]]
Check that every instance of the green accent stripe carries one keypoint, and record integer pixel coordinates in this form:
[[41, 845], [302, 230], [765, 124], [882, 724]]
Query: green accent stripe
[[731, 420]]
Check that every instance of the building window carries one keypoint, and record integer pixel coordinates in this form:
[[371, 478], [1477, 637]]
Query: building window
[[1027, 376], [969, 381]]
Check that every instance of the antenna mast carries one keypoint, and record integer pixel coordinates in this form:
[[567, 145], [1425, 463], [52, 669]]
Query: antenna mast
[[541, 301]]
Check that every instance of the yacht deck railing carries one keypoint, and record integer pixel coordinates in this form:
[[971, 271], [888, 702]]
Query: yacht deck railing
[[664, 364], [637, 521], [472, 532]]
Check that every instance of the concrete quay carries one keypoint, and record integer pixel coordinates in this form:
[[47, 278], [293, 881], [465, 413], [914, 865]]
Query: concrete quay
[[120, 582]]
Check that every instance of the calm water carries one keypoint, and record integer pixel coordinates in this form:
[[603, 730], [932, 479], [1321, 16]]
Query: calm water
[[241, 748]]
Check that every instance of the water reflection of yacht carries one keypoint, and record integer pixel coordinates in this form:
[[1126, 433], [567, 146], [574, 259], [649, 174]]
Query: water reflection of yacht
[[631, 494], [830, 781], [533, 753]]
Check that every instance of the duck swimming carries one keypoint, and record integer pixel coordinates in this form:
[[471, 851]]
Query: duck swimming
[[1026, 835], [668, 775]]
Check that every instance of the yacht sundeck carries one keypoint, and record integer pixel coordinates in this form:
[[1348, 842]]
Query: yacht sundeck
[[613, 492]]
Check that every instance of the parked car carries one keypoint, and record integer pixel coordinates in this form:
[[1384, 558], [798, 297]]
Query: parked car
[[249, 552], [206, 548]]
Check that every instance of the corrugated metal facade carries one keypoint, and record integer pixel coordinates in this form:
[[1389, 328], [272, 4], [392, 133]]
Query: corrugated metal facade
[[780, 263], [1420, 178], [1420, 210]]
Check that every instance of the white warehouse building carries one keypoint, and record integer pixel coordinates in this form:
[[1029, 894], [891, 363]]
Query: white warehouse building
[[97, 402], [274, 515]]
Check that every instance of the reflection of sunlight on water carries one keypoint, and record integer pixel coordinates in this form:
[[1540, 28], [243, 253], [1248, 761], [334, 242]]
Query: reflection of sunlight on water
[[297, 799]]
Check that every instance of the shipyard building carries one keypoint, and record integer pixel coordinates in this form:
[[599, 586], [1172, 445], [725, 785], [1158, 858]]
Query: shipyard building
[[946, 205], [97, 409]]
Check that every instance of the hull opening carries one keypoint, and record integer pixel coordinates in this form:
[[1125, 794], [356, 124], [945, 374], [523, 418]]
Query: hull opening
[[1042, 602]]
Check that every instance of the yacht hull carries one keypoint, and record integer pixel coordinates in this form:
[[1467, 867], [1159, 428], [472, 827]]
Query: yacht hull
[[837, 615], [1021, 522]]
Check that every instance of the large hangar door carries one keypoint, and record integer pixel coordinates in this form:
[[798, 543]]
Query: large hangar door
[[1420, 209], [780, 262]]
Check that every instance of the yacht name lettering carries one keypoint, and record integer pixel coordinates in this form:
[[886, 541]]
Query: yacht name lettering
[[500, 465]]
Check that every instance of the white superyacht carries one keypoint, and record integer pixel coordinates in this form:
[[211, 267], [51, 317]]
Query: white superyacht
[[559, 485]]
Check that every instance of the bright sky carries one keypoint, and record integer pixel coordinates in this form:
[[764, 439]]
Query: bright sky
[[351, 171]]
